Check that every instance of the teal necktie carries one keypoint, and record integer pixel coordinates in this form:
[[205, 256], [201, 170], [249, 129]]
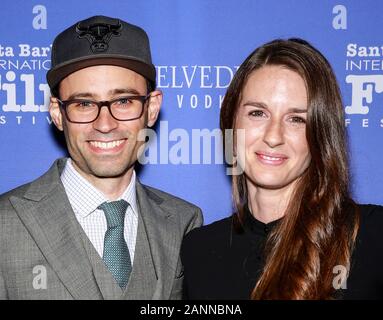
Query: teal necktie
[[116, 253]]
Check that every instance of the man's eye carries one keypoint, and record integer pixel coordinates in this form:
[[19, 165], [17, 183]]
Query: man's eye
[[124, 101], [84, 104]]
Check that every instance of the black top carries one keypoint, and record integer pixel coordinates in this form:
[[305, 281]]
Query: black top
[[220, 263]]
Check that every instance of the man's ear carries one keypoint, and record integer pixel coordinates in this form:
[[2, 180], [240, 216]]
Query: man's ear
[[154, 106], [55, 112]]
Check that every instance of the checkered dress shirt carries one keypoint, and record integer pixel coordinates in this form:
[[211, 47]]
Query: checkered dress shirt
[[85, 198]]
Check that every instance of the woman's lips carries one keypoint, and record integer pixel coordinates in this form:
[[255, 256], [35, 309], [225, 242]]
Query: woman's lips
[[271, 159]]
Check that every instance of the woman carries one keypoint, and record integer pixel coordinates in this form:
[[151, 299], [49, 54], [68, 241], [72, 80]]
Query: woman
[[296, 233]]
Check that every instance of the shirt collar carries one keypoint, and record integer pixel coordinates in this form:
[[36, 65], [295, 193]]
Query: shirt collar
[[85, 198], [258, 227]]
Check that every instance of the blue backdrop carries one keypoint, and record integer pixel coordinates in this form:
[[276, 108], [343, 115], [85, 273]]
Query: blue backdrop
[[196, 47]]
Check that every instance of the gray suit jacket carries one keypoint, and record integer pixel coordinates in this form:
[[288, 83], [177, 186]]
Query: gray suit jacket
[[42, 255]]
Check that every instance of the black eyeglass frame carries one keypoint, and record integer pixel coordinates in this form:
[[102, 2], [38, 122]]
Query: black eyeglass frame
[[107, 103]]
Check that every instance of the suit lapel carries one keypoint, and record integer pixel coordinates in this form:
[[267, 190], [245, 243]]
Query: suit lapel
[[143, 278], [156, 254], [48, 216]]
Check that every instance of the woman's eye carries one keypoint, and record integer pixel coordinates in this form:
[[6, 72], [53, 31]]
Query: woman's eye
[[257, 113], [297, 120]]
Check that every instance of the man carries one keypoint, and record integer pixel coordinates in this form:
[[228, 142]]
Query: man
[[88, 229]]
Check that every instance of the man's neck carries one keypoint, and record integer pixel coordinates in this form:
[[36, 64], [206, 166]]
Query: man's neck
[[113, 187]]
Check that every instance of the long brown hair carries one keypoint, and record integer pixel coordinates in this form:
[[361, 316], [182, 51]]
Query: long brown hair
[[321, 222]]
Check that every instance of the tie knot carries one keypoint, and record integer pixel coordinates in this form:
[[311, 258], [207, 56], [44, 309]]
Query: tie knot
[[114, 212]]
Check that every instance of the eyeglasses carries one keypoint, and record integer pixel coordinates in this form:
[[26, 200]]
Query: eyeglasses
[[125, 108]]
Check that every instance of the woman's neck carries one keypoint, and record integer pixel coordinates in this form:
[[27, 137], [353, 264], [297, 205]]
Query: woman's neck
[[267, 205]]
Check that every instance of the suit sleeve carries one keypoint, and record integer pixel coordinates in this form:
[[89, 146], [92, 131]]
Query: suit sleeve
[[196, 222], [3, 291], [177, 290]]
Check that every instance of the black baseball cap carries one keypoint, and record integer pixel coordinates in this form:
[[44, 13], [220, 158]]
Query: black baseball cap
[[101, 40]]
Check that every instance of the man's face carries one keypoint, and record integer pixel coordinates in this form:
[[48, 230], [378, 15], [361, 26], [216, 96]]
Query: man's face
[[106, 147]]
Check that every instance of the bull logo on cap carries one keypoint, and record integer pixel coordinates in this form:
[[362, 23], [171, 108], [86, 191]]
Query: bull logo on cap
[[99, 34]]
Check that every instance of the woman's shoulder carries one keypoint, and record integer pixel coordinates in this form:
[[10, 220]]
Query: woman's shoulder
[[371, 215], [367, 259], [213, 245], [207, 241], [370, 208], [371, 225], [212, 232]]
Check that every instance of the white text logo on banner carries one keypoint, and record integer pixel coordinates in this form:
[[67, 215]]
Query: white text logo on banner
[[365, 64]]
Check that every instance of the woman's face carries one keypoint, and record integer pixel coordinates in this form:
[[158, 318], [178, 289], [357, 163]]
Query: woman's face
[[273, 112]]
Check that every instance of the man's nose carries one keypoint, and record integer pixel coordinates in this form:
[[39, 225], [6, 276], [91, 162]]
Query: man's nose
[[105, 121]]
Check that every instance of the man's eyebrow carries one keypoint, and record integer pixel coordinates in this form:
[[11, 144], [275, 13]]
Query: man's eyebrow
[[80, 95], [124, 91], [113, 92]]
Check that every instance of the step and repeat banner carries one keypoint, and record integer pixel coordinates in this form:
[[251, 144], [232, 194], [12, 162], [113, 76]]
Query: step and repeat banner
[[197, 46]]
